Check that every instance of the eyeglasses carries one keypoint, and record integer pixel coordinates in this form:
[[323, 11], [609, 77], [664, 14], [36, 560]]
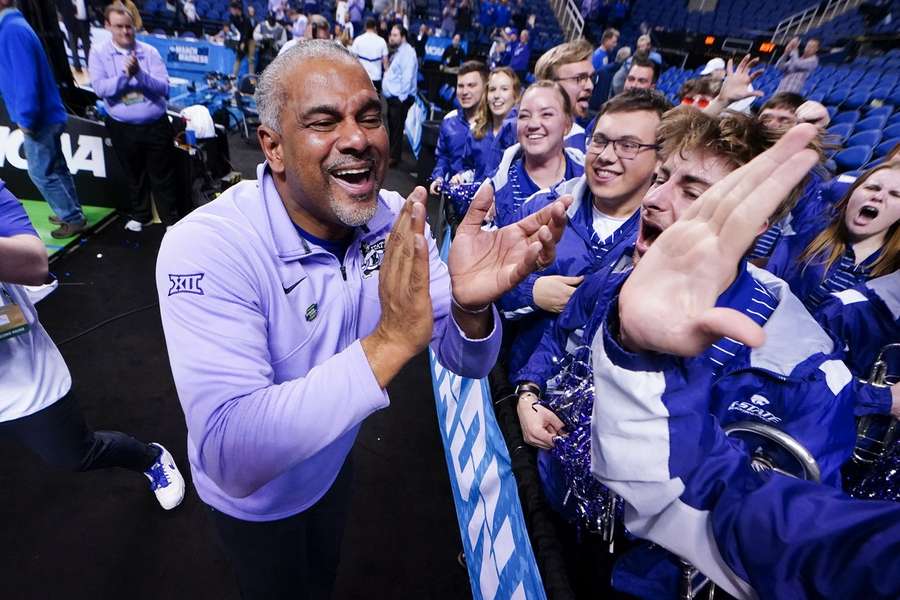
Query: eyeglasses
[[582, 78], [699, 102], [623, 148]]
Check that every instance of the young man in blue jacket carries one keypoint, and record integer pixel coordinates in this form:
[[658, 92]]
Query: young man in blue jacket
[[602, 220], [290, 303], [471, 82], [32, 100]]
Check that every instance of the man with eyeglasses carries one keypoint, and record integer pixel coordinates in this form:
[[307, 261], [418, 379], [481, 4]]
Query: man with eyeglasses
[[570, 65], [602, 220]]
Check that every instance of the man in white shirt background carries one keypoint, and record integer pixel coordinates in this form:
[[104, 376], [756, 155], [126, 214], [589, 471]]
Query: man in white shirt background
[[372, 51]]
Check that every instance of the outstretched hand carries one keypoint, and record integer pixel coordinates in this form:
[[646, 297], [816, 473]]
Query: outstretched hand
[[484, 265], [738, 80], [668, 303]]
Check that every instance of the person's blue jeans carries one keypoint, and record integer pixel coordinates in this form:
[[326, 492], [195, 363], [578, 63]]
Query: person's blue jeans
[[50, 174]]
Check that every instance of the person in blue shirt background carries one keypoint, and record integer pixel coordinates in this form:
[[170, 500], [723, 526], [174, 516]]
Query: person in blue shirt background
[[32, 99], [502, 14], [862, 241], [520, 55], [399, 88], [603, 54]]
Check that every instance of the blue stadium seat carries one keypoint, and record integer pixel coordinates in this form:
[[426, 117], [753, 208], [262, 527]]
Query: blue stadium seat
[[856, 100], [893, 120], [852, 158], [876, 122], [835, 97], [881, 111], [847, 116], [866, 138], [841, 130], [891, 131], [884, 147]]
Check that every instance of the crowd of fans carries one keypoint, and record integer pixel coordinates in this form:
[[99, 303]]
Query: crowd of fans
[[585, 124]]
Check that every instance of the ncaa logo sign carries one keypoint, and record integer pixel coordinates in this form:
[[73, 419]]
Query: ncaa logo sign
[[88, 154]]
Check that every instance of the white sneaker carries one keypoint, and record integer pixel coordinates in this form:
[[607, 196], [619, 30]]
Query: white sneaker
[[133, 225], [166, 481], [36, 293]]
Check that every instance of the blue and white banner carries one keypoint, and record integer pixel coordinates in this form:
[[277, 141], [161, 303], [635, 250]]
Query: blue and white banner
[[498, 552]]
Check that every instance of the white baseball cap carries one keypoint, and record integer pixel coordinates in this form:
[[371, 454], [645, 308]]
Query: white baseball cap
[[712, 65]]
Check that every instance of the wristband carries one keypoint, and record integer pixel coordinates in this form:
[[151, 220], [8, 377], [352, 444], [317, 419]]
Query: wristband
[[527, 387], [479, 311]]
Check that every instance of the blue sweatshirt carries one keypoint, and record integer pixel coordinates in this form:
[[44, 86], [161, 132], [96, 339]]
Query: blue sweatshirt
[[450, 145], [29, 90]]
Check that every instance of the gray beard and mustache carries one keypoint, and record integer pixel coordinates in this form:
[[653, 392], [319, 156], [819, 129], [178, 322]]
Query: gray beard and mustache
[[355, 213]]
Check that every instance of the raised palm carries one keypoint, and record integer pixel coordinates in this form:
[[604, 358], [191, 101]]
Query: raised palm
[[485, 264], [668, 303]]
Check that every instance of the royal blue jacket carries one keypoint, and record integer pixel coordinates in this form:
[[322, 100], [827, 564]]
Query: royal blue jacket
[[865, 318], [508, 197], [483, 156], [795, 381], [812, 213], [577, 253], [450, 145], [692, 490], [806, 278], [29, 91], [519, 57]]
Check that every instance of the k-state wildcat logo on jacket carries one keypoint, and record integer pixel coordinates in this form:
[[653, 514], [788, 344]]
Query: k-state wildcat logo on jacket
[[372, 254]]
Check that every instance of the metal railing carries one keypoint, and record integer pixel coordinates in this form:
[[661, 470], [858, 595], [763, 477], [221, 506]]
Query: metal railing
[[570, 18], [810, 18]]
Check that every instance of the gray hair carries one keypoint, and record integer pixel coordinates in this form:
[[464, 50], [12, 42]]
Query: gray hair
[[271, 90]]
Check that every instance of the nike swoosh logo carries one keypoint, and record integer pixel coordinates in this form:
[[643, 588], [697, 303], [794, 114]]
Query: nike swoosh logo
[[288, 290]]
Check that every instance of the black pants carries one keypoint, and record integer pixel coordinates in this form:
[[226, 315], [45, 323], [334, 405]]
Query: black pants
[[59, 435], [148, 159], [396, 119], [79, 30], [294, 558]]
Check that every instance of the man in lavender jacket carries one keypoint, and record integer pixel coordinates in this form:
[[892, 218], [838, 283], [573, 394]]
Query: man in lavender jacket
[[291, 302], [132, 79]]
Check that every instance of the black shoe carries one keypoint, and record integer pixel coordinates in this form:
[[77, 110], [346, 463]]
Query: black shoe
[[69, 229], [55, 220]]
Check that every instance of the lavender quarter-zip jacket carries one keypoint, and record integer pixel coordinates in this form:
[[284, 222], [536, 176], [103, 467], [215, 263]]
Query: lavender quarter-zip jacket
[[263, 331]]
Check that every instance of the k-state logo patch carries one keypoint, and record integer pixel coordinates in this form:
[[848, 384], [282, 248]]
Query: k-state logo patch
[[185, 284], [372, 255]]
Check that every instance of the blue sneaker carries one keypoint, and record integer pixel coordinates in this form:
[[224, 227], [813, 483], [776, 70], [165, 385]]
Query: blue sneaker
[[166, 481]]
